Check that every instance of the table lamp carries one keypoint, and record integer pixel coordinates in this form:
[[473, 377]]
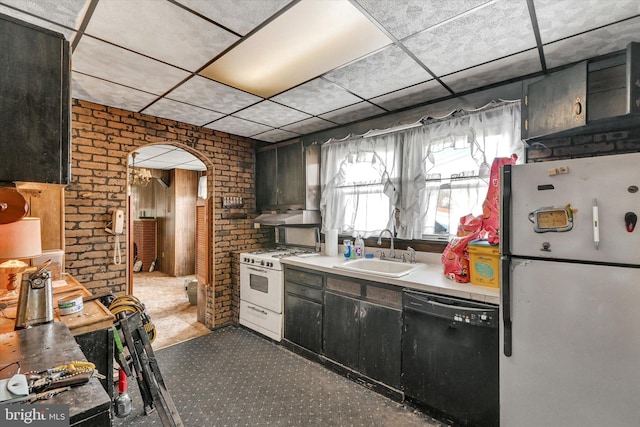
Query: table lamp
[[18, 240]]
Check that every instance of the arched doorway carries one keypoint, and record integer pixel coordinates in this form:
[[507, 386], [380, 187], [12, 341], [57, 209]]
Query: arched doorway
[[168, 238]]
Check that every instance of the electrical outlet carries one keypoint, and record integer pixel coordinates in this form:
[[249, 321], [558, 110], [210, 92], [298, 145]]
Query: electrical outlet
[[256, 225]]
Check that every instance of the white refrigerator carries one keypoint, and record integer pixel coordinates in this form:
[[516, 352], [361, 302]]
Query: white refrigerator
[[570, 293]]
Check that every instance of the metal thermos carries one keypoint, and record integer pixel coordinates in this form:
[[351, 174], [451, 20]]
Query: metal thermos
[[35, 301]]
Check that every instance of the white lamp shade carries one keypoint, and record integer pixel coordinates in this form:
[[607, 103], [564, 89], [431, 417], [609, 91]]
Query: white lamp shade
[[20, 239]]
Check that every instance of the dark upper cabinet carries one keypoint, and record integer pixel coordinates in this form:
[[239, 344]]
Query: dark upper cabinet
[[290, 176], [35, 104], [588, 97], [555, 103], [266, 188], [280, 178]]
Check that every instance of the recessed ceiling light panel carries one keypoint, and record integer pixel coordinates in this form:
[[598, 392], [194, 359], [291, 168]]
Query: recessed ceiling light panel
[[307, 40]]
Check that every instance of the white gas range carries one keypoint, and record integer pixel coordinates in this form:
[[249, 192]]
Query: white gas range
[[262, 289]]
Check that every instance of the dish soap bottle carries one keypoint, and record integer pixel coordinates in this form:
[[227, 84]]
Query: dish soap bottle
[[359, 246], [348, 249]]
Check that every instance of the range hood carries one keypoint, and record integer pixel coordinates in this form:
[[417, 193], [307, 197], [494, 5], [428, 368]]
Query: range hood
[[290, 218]]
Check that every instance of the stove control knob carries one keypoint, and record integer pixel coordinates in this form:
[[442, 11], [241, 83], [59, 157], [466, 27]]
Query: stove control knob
[[261, 262], [252, 261], [269, 264]]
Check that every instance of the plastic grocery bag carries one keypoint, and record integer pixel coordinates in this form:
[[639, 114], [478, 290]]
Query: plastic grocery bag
[[455, 257], [491, 205]]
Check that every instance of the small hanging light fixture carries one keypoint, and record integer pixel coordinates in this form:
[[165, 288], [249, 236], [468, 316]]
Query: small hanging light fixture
[[139, 176]]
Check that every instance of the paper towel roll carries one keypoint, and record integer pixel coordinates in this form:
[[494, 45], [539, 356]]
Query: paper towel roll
[[331, 242]]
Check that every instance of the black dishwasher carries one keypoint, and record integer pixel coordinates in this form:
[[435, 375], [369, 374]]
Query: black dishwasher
[[450, 357]]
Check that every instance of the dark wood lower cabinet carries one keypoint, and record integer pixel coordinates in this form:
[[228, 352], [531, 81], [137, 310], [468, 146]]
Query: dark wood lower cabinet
[[303, 308], [364, 336], [380, 343], [303, 322], [342, 329]]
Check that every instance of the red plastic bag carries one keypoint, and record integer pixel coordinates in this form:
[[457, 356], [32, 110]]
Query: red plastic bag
[[469, 224], [455, 257], [491, 204]]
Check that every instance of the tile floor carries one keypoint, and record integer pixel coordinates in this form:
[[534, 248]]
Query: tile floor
[[233, 377], [168, 307]]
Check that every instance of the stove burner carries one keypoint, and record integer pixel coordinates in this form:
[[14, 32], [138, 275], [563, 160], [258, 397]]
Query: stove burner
[[281, 252]]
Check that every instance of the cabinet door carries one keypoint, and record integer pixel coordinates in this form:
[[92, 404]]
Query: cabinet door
[[266, 166], [46, 201], [342, 329], [303, 322], [34, 104], [290, 177], [380, 343], [555, 103]]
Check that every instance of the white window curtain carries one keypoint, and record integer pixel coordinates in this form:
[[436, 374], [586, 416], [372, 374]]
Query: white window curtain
[[360, 181], [446, 168]]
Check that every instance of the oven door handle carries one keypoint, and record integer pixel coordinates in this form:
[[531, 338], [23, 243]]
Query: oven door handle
[[257, 309], [259, 270]]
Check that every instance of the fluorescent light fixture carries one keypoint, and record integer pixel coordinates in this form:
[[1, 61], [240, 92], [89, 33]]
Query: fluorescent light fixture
[[307, 40]]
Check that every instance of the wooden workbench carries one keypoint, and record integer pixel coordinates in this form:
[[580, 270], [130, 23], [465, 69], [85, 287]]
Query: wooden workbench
[[90, 327], [46, 346], [93, 317]]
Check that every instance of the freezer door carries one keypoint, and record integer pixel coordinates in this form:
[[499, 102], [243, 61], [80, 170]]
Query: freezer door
[[541, 192], [575, 346]]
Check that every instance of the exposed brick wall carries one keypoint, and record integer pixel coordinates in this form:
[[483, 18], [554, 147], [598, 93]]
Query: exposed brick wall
[[145, 239], [102, 138], [602, 144]]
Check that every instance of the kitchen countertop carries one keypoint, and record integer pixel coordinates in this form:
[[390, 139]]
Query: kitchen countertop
[[428, 279]]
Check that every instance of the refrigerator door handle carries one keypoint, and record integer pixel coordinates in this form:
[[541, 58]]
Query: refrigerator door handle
[[506, 304]]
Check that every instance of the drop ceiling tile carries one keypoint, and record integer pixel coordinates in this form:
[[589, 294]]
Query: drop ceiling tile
[[194, 165], [383, 72], [206, 93], [181, 112], [175, 156], [499, 29], [271, 114], [316, 97], [241, 16], [559, 19], [405, 17], [594, 43], [152, 151], [503, 69], [162, 156], [275, 135], [103, 60], [413, 95], [352, 113], [68, 13], [311, 125], [67, 33], [160, 30], [236, 126], [92, 89]]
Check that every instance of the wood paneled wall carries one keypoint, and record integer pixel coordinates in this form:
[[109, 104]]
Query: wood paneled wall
[[175, 210], [185, 194]]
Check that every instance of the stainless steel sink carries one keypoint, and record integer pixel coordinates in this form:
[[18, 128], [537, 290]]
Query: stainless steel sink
[[380, 267]]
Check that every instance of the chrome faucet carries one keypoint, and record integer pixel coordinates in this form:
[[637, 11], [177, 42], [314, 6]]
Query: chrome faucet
[[392, 251]]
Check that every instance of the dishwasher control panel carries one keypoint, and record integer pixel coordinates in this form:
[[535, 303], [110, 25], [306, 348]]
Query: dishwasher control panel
[[486, 319], [453, 309]]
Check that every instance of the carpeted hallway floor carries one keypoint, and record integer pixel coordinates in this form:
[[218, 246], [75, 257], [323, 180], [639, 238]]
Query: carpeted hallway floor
[[168, 307]]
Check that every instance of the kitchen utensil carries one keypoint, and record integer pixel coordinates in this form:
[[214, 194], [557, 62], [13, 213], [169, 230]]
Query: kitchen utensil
[[35, 300]]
